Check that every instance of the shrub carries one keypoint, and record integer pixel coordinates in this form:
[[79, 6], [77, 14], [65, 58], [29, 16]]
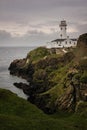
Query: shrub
[[83, 64], [77, 76], [83, 78], [38, 54]]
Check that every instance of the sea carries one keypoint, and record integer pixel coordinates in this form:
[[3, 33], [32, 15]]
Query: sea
[[7, 55]]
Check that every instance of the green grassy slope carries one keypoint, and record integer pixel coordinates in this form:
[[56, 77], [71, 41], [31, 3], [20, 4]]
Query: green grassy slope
[[18, 114], [38, 54]]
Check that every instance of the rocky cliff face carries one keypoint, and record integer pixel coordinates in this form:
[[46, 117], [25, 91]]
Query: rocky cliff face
[[56, 81]]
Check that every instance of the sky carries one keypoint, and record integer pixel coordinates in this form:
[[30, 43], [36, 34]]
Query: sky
[[36, 22]]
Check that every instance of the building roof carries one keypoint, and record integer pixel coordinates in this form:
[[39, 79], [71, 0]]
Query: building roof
[[74, 39], [57, 40], [61, 40], [63, 23]]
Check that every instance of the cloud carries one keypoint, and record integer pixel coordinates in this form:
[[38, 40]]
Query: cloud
[[18, 30], [31, 38], [36, 21], [4, 35], [39, 10]]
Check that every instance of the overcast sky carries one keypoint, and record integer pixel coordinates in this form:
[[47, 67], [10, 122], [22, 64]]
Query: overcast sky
[[35, 22]]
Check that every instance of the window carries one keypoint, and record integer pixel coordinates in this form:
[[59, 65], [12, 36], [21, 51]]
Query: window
[[61, 35], [70, 42], [61, 28], [66, 42]]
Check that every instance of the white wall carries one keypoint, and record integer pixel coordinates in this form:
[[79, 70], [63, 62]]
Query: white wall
[[67, 43], [63, 32]]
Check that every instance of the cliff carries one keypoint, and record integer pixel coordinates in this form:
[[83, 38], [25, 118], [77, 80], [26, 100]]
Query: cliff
[[57, 82]]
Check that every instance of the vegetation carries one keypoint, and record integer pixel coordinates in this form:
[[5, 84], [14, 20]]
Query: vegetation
[[19, 114], [83, 78], [38, 54], [82, 39]]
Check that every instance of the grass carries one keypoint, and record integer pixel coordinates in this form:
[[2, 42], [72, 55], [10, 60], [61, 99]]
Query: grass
[[18, 114], [57, 76], [38, 54]]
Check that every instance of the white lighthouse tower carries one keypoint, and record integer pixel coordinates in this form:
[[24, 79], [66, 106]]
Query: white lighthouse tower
[[63, 27], [63, 41]]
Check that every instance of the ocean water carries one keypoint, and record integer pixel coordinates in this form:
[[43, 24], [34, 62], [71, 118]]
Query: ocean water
[[7, 55]]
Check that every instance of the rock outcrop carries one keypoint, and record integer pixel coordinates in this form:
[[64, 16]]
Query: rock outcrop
[[56, 81]]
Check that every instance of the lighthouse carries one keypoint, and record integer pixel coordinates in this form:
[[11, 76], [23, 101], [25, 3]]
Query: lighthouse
[[63, 41], [63, 27]]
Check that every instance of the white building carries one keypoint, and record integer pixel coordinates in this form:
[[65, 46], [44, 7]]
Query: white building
[[64, 40]]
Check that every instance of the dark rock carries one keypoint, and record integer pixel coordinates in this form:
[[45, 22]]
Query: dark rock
[[42, 103], [25, 87]]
